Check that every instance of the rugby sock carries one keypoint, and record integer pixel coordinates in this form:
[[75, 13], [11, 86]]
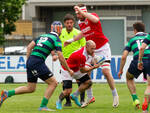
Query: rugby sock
[[68, 99], [82, 96], [114, 92], [148, 107], [89, 93], [61, 97], [44, 102], [77, 93], [134, 97], [11, 93]]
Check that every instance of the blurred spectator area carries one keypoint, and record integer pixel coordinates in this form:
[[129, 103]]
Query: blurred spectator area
[[23, 31], [21, 37]]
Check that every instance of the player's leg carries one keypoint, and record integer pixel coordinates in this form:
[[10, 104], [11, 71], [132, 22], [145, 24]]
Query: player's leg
[[67, 86], [47, 76], [106, 69], [132, 73], [52, 84], [85, 84], [107, 73], [132, 89], [20, 90], [90, 98], [89, 92], [67, 97], [82, 95], [31, 86], [146, 103], [68, 101]]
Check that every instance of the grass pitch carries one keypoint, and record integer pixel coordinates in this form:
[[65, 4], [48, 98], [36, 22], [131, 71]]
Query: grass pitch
[[29, 103]]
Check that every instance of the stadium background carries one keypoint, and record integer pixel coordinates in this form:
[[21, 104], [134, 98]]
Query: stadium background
[[117, 18]]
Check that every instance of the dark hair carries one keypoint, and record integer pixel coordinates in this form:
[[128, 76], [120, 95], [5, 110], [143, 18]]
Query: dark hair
[[139, 27], [69, 17], [81, 5]]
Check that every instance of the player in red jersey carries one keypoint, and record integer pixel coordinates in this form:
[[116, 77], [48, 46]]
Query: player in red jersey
[[77, 62], [91, 29]]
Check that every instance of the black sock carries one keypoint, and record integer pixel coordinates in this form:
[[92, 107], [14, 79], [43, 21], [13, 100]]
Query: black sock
[[68, 99], [82, 95]]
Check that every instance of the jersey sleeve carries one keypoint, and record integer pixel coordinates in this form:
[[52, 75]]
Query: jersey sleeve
[[58, 44], [128, 47], [147, 39], [95, 14], [35, 40]]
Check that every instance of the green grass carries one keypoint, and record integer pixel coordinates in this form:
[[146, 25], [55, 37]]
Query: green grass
[[29, 103]]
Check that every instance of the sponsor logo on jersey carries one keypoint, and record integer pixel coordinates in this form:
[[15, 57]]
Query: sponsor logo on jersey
[[86, 29]]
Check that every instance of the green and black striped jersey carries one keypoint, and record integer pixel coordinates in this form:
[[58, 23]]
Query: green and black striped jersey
[[135, 43], [45, 44], [147, 39]]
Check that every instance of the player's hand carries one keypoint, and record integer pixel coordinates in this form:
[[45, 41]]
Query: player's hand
[[54, 57], [96, 66], [66, 43], [140, 66], [120, 74], [71, 72]]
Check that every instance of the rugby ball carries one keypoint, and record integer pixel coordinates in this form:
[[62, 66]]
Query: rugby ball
[[99, 59]]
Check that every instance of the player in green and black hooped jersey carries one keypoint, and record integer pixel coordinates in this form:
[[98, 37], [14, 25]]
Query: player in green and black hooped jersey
[[134, 45], [45, 44], [143, 49], [37, 51]]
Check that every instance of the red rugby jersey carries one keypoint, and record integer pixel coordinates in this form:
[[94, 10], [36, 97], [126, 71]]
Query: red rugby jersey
[[93, 31], [77, 59]]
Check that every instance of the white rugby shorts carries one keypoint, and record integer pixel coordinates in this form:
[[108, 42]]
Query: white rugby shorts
[[66, 76]]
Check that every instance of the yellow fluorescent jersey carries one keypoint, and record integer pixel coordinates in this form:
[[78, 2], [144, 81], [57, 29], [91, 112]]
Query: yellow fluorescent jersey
[[69, 49]]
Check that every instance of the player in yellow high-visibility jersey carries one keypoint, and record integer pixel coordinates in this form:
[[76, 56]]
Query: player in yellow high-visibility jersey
[[69, 32]]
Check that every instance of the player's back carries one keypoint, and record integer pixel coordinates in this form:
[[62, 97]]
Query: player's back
[[77, 59], [135, 43], [45, 43]]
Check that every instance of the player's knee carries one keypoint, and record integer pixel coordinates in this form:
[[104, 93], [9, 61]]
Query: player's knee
[[67, 92], [55, 83], [31, 89], [90, 83], [106, 72]]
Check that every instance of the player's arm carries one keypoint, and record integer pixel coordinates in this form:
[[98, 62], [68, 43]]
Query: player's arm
[[63, 62], [54, 56], [58, 48], [78, 37], [89, 16], [29, 48], [141, 53], [89, 69], [123, 61]]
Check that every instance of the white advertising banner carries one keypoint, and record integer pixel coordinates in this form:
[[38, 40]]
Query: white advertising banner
[[15, 66]]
